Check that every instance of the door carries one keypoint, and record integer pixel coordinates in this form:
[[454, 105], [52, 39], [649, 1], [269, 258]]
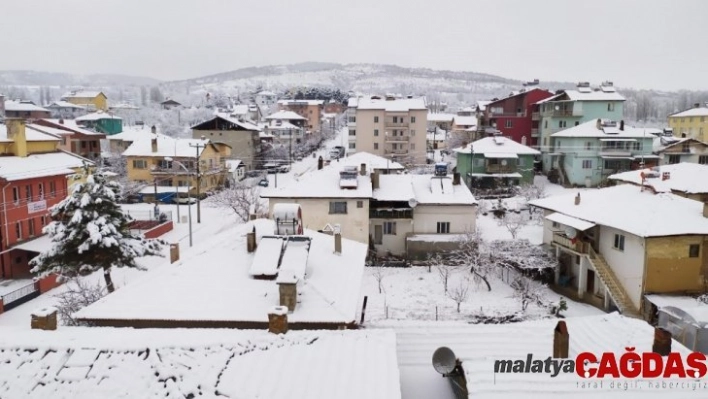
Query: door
[[591, 281], [378, 234]]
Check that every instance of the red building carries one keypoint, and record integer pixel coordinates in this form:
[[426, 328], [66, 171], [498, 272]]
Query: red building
[[513, 116]]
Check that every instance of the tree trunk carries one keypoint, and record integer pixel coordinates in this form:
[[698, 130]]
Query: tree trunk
[[109, 281], [489, 287], [458, 307]]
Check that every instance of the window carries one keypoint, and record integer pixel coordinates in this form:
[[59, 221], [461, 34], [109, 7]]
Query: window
[[443, 227], [395, 119], [338, 207], [560, 123], [412, 119], [545, 124], [16, 194], [43, 220], [587, 164], [577, 123], [352, 132], [412, 146], [376, 119], [163, 164], [352, 146], [28, 192], [508, 123], [18, 230], [389, 228], [619, 242], [588, 145], [674, 159], [41, 191], [376, 146], [694, 250], [30, 229], [83, 144], [685, 147], [139, 164], [703, 159], [613, 164], [352, 119], [637, 146], [555, 225], [412, 133], [52, 188], [376, 132], [610, 107], [360, 204]]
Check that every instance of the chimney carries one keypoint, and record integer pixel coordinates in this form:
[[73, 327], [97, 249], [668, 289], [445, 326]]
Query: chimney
[[705, 209], [375, 180], [599, 124], [16, 133], [561, 341], [362, 169], [456, 179], [61, 121], [665, 176], [154, 144], [697, 105], [251, 240], [577, 199], [288, 292], [278, 320], [153, 129], [320, 162], [622, 125], [662, 342], [338, 243], [44, 319]]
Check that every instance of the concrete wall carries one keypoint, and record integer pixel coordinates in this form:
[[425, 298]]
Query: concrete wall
[[394, 243], [244, 143], [315, 215], [368, 141], [628, 265], [669, 267], [462, 218]]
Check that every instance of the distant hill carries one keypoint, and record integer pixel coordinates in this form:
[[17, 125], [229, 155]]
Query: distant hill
[[35, 78]]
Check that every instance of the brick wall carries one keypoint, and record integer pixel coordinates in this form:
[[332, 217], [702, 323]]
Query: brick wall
[[159, 230]]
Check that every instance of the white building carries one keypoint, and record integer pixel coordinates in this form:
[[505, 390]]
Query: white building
[[688, 180], [267, 98]]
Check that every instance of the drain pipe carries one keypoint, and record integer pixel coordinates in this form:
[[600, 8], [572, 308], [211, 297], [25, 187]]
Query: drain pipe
[[7, 230]]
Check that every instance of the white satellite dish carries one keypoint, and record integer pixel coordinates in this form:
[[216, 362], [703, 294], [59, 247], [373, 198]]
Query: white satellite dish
[[571, 232], [503, 162], [444, 360], [412, 202]]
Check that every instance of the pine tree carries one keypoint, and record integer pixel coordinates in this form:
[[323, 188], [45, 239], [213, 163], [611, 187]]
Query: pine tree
[[90, 233]]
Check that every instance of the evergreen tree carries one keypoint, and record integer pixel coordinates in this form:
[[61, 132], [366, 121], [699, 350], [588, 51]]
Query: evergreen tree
[[90, 233]]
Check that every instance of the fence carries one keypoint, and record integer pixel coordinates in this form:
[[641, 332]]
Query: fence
[[19, 296], [143, 216]]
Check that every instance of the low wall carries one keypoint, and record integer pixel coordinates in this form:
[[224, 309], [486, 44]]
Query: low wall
[[419, 250], [2, 307], [46, 283], [159, 230]]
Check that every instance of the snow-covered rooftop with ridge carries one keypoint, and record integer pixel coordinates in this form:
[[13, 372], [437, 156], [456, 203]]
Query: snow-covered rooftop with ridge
[[695, 111], [398, 105], [286, 116], [372, 161], [440, 117], [93, 362], [496, 145], [465, 120], [65, 104], [22, 106], [48, 130], [689, 178], [81, 94], [610, 130], [70, 124], [212, 283], [30, 135], [589, 95], [96, 116], [166, 147], [324, 183], [426, 189], [626, 207], [133, 133], [39, 165]]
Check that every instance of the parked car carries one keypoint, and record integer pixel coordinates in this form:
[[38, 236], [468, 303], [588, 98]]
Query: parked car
[[263, 183], [284, 169], [254, 173], [184, 200]]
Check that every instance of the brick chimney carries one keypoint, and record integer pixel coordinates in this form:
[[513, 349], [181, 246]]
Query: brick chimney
[[662, 342], [577, 199], [16, 133], [287, 287], [251, 240], [375, 180], [362, 169], [153, 142], [320, 162], [622, 125], [278, 320], [153, 129], [44, 319], [456, 179], [561, 341]]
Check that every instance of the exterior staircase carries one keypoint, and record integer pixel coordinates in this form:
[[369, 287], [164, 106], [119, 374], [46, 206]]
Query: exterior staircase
[[561, 168], [614, 287]]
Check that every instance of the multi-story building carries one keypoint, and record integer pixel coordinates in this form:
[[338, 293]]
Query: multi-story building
[[572, 107], [586, 154], [73, 138], [513, 116], [494, 162], [170, 166], [394, 128], [691, 123], [25, 110], [66, 110], [33, 177], [243, 137], [120, 142], [672, 150], [93, 100], [351, 124], [266, 98], [308, 109]]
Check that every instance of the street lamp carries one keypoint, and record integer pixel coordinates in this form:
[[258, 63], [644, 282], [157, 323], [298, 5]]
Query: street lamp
[[189, 197]]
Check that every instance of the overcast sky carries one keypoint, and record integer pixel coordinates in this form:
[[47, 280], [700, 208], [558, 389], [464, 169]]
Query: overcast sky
[[636, 43]]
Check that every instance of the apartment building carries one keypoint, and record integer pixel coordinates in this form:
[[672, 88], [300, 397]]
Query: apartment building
[[393, 128], [309, 109], [513, 115], [692, 123]]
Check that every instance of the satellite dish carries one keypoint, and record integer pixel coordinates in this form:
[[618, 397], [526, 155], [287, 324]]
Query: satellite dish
[[503, 162], [444, 360], [571, 232], [412, 202]]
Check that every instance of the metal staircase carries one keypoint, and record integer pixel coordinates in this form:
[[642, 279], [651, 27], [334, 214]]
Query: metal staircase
[[614, 287], [561, 167]]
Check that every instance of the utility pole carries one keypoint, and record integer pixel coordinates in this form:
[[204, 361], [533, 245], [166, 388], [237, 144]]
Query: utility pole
[[154, 181], [198, 148]]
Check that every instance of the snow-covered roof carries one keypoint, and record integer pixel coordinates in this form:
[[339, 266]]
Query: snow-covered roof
[[394, 188], [95, 116], [94, 362], [294, 102], [170, 101], [322, 183], [233, 164], [438, 117], [56, 132], [21, 106], [482, 105], [590, 129], [286, 116], [39, 165], [497, 145], [353, 102], [662, 142], [626, 207], [465, 120], [689, 178], [240, 123], [82, 94], [123, 106], [70, 124], [696, 111], [591, 95], [30, 135], [431, 190], [398, 105], [166, 147], [240, 109], [65, 104], [266, 93], [133, 133], [479, 346], [219, 268], [372, 161], [279, 124]]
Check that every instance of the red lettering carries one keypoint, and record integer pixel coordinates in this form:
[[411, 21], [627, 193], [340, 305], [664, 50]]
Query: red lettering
[[608, 365], [650, 359], [697, 362], [630, 364], [580, 369], [674, 366]]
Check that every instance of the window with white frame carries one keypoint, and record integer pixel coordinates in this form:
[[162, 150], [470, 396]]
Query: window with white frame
[[587, 164], [139, 164], [443, 227], [389, 228], [376, 132], [508, 123], [619, 242]]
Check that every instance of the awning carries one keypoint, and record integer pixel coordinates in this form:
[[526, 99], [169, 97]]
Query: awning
[[618, 139], [615, 157], [513, 175], [504, 155], [37, 245], [570, 221], [647, 157], [164, 189]]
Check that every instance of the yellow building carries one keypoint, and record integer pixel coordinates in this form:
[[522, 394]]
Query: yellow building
[[692, 123], [94, 100], [170, 166]]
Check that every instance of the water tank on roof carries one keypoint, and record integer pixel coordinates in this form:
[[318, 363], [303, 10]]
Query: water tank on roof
[[440, 169]]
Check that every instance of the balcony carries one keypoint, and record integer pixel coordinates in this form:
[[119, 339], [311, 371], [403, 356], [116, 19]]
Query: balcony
[[615, 152], [501, 168], [507, 114], [396, 152], [536, 116], [565, 242], [397, 139], [390, 213], [391, 123], [534, 132]]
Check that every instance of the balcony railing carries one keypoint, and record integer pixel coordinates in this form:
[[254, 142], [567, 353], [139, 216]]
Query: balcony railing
[[534, 132], [395, 124], [501, 168], [507, 114], [561, 239], [396, 152], [390, 214], [535, 116], [397, 139]]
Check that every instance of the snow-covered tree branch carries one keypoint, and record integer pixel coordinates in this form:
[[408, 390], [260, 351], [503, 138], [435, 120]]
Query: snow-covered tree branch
[[241, 199]]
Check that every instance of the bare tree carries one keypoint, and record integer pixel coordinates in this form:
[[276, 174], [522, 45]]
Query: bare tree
[[118, 164], [243, 200], [379, 276], [78, 293], [528, 291], [514, 222], [460, 292], [470, 253], [444, 271]]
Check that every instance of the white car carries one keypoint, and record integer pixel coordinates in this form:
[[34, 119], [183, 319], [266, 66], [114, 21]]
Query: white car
[[185, 200]]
